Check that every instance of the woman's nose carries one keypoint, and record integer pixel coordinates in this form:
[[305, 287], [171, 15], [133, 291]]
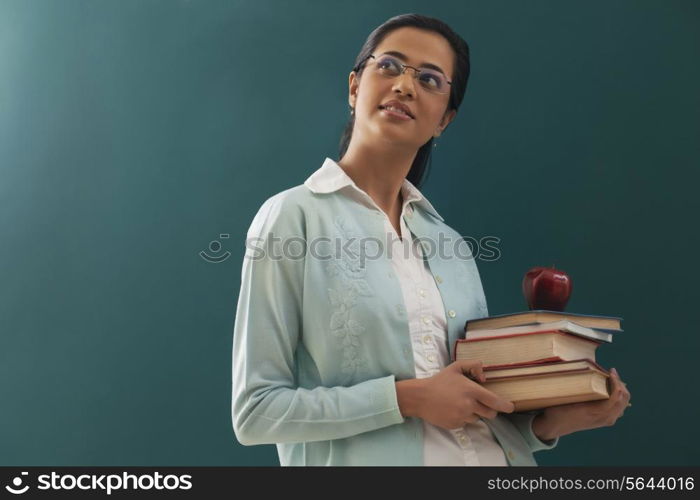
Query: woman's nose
[[406, 82]]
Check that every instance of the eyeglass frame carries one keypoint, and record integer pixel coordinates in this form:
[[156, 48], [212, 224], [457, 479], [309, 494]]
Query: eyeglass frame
[[416, 71]]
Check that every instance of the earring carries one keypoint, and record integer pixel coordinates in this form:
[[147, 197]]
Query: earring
[[352, 110]]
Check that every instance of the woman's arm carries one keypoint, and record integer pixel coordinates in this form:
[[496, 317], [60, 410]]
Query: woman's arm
[[267, 405]]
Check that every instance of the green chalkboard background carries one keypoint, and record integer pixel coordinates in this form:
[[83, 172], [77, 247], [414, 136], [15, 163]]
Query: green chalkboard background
[[133, 134]]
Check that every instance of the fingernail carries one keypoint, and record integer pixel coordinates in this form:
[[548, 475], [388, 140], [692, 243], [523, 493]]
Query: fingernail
[[613, 370]]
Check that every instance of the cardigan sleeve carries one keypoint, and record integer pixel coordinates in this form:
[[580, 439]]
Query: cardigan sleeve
[[267, 405], [523, 422]]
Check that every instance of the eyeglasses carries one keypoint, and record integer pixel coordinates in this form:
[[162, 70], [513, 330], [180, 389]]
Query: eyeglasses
[[390, 67]]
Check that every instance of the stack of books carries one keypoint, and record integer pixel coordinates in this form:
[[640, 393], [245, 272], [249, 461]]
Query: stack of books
[[538, 359]]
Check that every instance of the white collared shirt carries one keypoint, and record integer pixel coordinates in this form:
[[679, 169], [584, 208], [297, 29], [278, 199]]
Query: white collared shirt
[[472, 444]]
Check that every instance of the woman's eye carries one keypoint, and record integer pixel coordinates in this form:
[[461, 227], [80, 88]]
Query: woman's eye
[[431, 80], [389, 64]]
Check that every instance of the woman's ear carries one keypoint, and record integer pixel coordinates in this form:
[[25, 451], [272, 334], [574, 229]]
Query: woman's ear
[[446, 119], [353, 84]]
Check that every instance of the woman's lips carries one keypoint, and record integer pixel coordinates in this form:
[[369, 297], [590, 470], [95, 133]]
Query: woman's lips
[[395, 114]]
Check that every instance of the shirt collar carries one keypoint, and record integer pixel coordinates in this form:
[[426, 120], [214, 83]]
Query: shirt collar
[[331, 177]]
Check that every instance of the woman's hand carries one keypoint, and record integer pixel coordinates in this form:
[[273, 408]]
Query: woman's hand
[[565, 419], [449, 399]]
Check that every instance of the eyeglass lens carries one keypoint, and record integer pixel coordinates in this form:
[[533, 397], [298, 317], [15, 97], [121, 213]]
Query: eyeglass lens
[[429, 79]]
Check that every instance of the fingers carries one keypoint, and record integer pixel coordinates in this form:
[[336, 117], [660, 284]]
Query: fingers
[[619, 395], [616, 377], [619, 388], [471, 368], [472, 418], [492, 400], [484, 411]]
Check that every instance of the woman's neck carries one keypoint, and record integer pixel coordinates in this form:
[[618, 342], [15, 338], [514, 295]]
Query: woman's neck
[[380, 174]]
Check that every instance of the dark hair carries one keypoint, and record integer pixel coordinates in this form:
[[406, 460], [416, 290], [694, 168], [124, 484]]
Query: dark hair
[[457, 89]]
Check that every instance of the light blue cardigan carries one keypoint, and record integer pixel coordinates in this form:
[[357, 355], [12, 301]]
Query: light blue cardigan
[[321, 336]]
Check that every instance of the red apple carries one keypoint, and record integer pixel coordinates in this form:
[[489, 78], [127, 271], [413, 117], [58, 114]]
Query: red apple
[[546, 288]]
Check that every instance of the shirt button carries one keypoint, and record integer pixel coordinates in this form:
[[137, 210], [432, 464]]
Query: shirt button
[[421, 292], [511, 455], [451, 313], [409, 216], [426, 320], [426, 339], [431, 358], [463, 439], [438, 278]]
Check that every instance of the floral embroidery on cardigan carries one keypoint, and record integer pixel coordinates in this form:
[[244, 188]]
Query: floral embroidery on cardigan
[[351, 275]]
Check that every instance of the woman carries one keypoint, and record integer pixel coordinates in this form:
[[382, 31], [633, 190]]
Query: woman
[[349, 304]]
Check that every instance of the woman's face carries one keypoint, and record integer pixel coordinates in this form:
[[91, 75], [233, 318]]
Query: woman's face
[[372, 90]]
